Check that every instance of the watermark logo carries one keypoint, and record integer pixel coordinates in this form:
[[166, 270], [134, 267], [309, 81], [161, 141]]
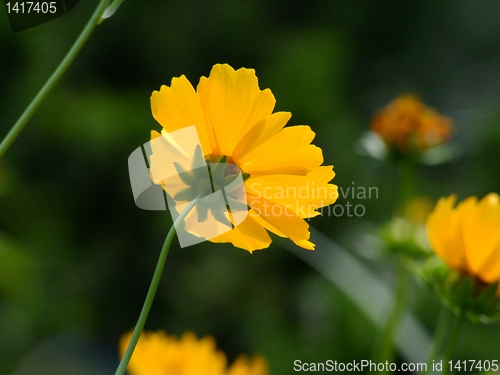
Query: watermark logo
[[27, 14], [344, 207], [171, 171]]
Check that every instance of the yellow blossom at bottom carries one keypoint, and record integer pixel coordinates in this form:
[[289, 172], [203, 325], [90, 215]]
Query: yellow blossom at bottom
[[157, 353]]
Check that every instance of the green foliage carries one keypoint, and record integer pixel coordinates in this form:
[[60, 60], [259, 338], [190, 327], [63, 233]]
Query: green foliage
[[462, 293], [77, 255]]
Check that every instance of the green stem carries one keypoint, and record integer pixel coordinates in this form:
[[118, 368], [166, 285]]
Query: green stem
[[452, 342], [54, 78], [407, 182], [442, 326], [152, 291], [386, 350]]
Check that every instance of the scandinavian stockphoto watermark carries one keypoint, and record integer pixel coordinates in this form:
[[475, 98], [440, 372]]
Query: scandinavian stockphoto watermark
[[344, 207], [171, 171], [310, 199]]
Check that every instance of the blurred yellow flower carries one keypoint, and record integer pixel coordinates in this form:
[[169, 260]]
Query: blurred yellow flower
[[157, 353], [285, 182], [467, 237], [407, 124]]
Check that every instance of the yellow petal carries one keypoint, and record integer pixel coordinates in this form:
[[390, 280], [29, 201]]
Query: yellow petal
[[260, 132], [200, 357], [444, 231], [177, 107], [301, 194], [271, 228], [490, 272], [230, 99], [249, 235], [288, 152], [482, 237], [266, 224], [243, 366], [262, 108], [283, 219], [149, 355]]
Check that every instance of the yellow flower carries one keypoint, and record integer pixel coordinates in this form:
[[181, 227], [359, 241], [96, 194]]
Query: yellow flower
[[467, 238], [157, 353], [407, 124], [284, 180]]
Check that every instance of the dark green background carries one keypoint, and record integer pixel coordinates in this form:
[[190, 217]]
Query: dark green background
[[76, 254]]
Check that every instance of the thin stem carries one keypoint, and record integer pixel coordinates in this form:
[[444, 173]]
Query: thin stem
[[439, 337], [152, 291], [452, 342], [386, 350], [54, 78], [407, 182]]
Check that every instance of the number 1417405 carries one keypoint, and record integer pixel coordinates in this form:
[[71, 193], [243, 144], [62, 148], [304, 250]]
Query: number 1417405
[[31, 7]]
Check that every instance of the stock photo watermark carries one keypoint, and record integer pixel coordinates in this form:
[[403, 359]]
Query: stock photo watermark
[[171, 172], [27, 14], [344, 207], [363, 365]]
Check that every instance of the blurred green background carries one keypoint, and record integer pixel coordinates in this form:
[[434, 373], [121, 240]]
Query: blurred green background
[[77, 255]]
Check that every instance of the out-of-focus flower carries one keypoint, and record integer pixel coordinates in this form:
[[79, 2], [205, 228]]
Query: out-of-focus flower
[[467, 239], [407, 125], [284, 180], [157, 353], [406, 234]]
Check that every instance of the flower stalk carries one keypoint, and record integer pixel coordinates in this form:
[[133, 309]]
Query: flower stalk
[[452, 342], [386, 349], [442, 326], [153, 287], [54, 78]]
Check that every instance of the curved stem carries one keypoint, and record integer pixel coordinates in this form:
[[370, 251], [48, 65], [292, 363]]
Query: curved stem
[[54, 78], [152, 291], [452, 342]]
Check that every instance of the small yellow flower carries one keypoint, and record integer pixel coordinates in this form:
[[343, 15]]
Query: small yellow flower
[[284, 180], [467, 237], [407, 124], [157, 353]]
